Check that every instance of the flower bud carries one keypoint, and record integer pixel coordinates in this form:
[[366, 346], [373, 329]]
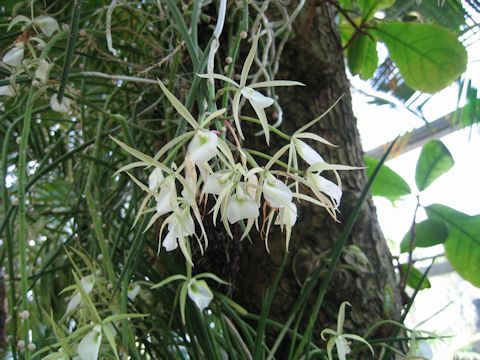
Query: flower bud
[[24, 314], [64, 107]]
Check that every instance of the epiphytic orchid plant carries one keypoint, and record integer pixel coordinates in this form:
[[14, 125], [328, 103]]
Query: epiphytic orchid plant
[[237, 185]]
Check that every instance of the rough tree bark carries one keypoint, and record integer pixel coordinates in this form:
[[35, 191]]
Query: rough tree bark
[[314, 58]]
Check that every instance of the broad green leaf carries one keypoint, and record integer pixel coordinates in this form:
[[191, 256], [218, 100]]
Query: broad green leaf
[[362, 57], [427, 233], [388, 183], [462, 247], [370, 7], [429, 57], [415, 277], [435, 159]]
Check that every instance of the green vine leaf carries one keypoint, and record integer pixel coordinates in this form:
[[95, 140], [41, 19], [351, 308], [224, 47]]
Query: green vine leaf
[[427, 233], [462, 247], [415, 277], [434, 160], [362, 57], [429, 57], [388, 183]]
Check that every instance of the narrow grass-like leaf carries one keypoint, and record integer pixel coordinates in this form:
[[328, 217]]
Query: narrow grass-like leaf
[[335, 254], [72, 39]]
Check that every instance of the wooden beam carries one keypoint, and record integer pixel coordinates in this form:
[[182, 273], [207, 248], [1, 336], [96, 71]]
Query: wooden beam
[[416, 138]]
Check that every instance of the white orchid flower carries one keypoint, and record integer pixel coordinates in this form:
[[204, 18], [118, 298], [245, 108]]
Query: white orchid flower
[[319, 183], [14, 56], [258, 101], [200, 293], [216, 183], [47, 24], [180, 224], [307, 153], [241, 206], [6, 90], [276, 192], [89, 346], [155, 179], [256, 98], [133, 290], [166, 199], [287, 216], [63, 107], [339, 339], [43, 70], [87, 284], [203, 146]]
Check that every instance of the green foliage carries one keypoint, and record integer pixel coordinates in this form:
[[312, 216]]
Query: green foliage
[[415, 278], [435, 159], [388, 183], [370, 7], [66, 215], [462, 246], [427, 233], [429, 57], [362, 57]]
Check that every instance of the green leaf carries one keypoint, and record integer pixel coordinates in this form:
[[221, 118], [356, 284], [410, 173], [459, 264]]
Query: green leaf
[[388, 183], [362, 57], [435, 159], [415, 277], [429, 57], [427, 233], [462, 247], [370, 7], [111, 340]]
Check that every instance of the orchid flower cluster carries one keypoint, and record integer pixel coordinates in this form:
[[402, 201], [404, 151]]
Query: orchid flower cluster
[[14, 58], [238, 184]]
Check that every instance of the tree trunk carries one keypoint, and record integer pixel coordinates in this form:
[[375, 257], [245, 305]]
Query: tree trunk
[[314, 57]]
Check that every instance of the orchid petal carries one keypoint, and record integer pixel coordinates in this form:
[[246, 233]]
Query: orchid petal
[[170, 242], [89, 346], [166, 198], [216, 183], [203, 146], [200, 293], [133, 290], [276, 192], [326, 186], [47, 24], [155, 179], [14, 56], [87, 284], [307, 153], [241, 208], [43, 70], [287, 216], [256, 98], [64, 107], [6, 90], [342, 347]]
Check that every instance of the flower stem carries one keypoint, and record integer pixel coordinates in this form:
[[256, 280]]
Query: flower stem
[[22, 234]]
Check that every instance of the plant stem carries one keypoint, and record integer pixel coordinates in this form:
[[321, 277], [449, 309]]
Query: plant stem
[[22, 233]]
